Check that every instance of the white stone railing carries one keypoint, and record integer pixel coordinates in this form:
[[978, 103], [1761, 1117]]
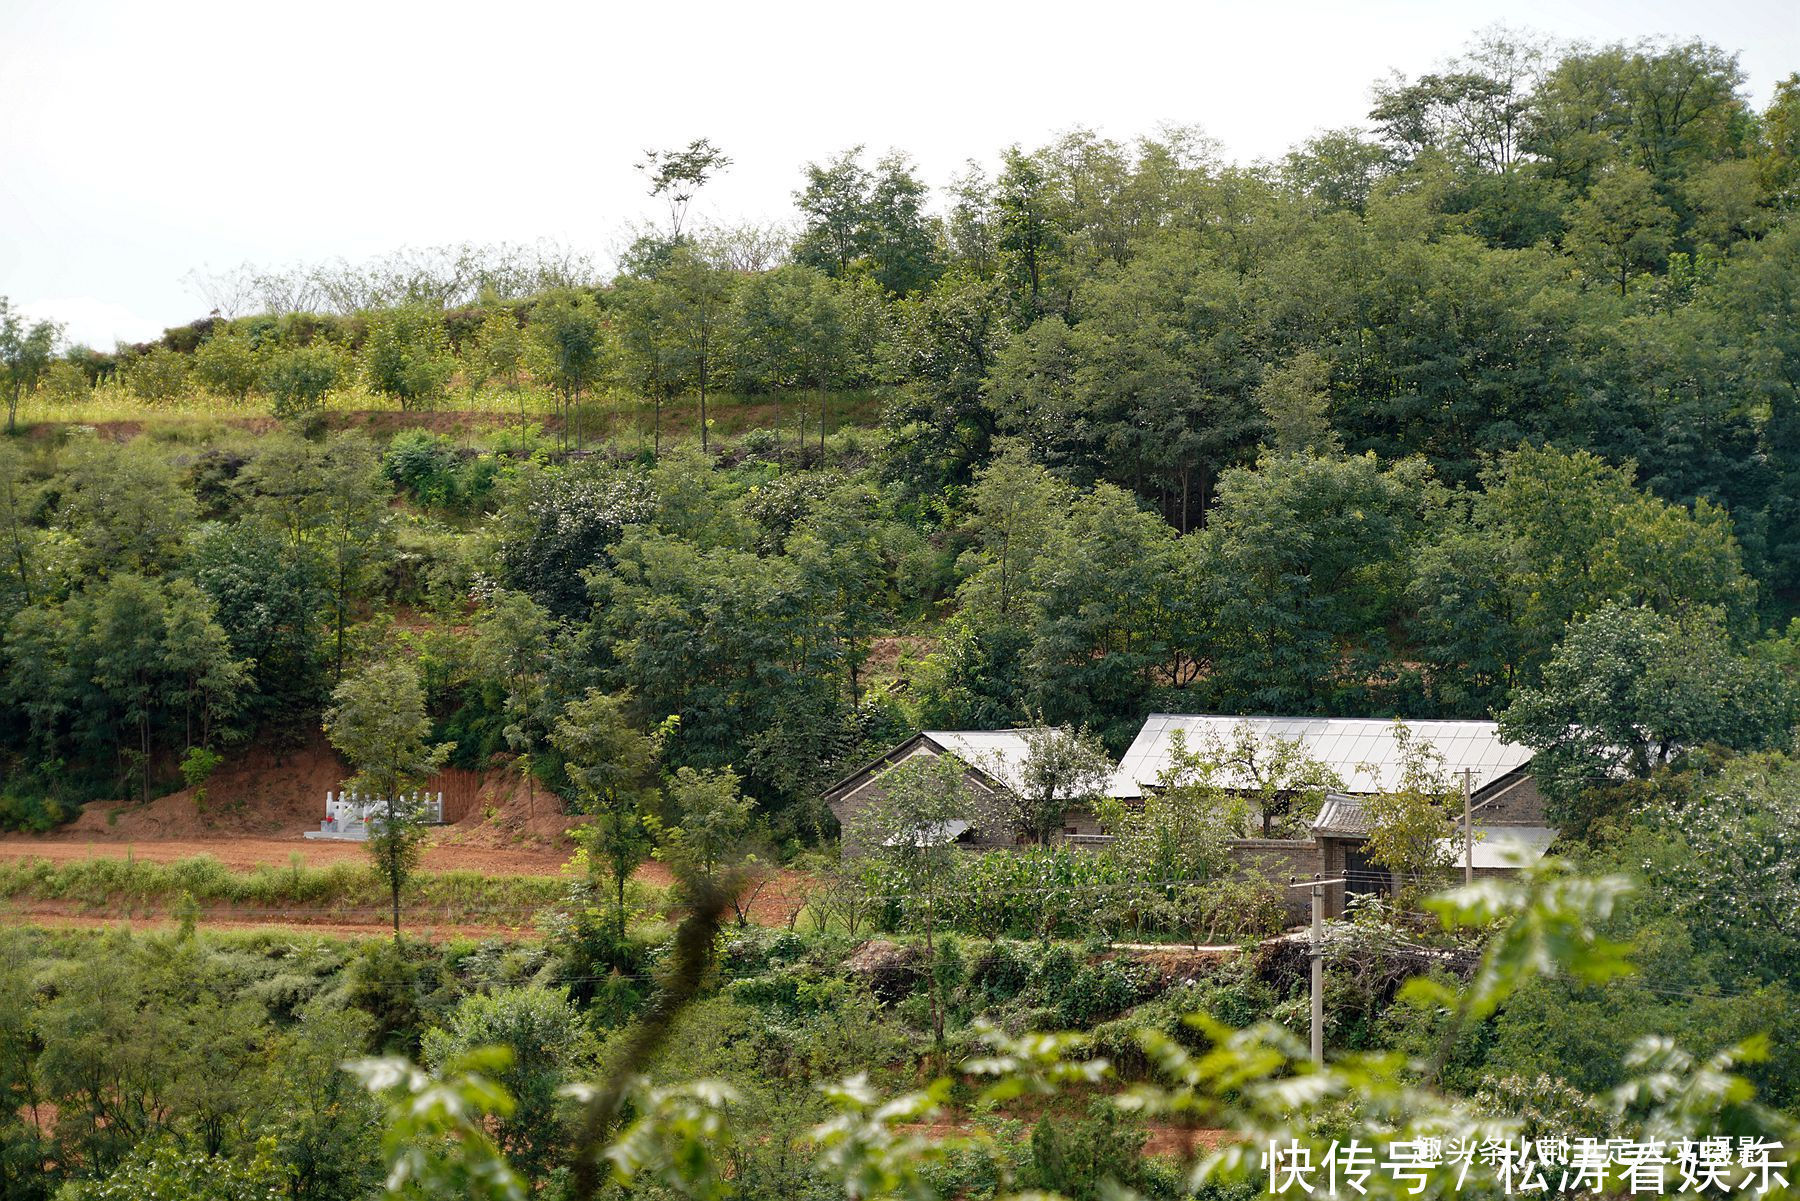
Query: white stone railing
[[352, 813]]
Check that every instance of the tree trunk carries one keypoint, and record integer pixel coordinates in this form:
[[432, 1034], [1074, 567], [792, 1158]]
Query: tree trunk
[[937, 1000], [144, 749], [393, 864], [1184, 495], [619, 897]]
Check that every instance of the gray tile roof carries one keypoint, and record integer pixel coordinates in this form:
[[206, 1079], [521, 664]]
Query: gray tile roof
[[1495, 846], [1341, 817]]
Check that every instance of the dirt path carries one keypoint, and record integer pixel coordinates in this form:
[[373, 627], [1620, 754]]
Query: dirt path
[[242, 854]]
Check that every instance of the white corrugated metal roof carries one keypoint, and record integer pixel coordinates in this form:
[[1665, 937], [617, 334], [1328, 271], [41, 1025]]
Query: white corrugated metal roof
[[1361, 750], [931, 836], [1506, 846], [999, 753]]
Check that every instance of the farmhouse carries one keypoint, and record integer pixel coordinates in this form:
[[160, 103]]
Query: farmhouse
[[992, 761], [1362, 753], [1507, 812]]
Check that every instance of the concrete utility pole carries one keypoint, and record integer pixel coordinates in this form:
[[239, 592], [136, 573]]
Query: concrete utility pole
[[1468, 831], [1317, 953]]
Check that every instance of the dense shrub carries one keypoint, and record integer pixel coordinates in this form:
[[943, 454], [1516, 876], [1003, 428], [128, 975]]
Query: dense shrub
[[427, 465]]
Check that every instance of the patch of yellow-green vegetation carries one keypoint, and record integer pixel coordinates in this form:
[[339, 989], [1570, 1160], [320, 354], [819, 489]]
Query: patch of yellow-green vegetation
[[126, 886], [602, 416]]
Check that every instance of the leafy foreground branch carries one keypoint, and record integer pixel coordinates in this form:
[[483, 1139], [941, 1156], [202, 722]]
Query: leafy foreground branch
[[1255, 1085]]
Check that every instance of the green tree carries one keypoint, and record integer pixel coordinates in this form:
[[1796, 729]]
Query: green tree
[[227, 363], [513, 645], [1620, 227], [1281, 784], [834, 213], [150, 647], [1063, 769], [1412, 818], [24, 1147], [741, 646], [1629, 689], [1780, 150], [25, 352], [1030, 233], [407, 355], [1016, 507], [1107, 598], [944, 344], [1476, 110], [908, 827], [651, 358], [159, 375], [377, 721], [567, 350], [1337, 169], [320, 1117], [103, 1060], [1553, 536], [971, 225], [1664, 108], [610, 763], [556, 524], [208, 683], [498, 354], [297, 378], [841, 566], [698, 307], [676, 176], [710, 825], [1180, 829], [549, 1046], [17, 494], [1305, 560], [1295, 401], [127, 508], [352, 528], [826, 339], [901, 241]]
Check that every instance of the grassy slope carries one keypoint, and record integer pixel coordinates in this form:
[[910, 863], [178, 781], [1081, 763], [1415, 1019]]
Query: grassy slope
[[624, 420]]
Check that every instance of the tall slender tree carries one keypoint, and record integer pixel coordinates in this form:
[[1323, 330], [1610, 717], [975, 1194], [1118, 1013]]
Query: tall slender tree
[[378, 722]]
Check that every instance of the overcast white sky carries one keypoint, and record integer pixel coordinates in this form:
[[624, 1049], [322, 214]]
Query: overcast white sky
[[139, 141]]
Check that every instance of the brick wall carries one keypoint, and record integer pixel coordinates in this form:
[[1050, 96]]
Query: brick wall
[[1279, 860], [1514, 802]]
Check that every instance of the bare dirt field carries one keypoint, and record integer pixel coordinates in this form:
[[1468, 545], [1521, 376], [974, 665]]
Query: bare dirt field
[[258, 807]]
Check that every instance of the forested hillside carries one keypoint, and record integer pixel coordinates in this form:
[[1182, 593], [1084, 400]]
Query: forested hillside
[[1487, 409], [1420, 421]]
